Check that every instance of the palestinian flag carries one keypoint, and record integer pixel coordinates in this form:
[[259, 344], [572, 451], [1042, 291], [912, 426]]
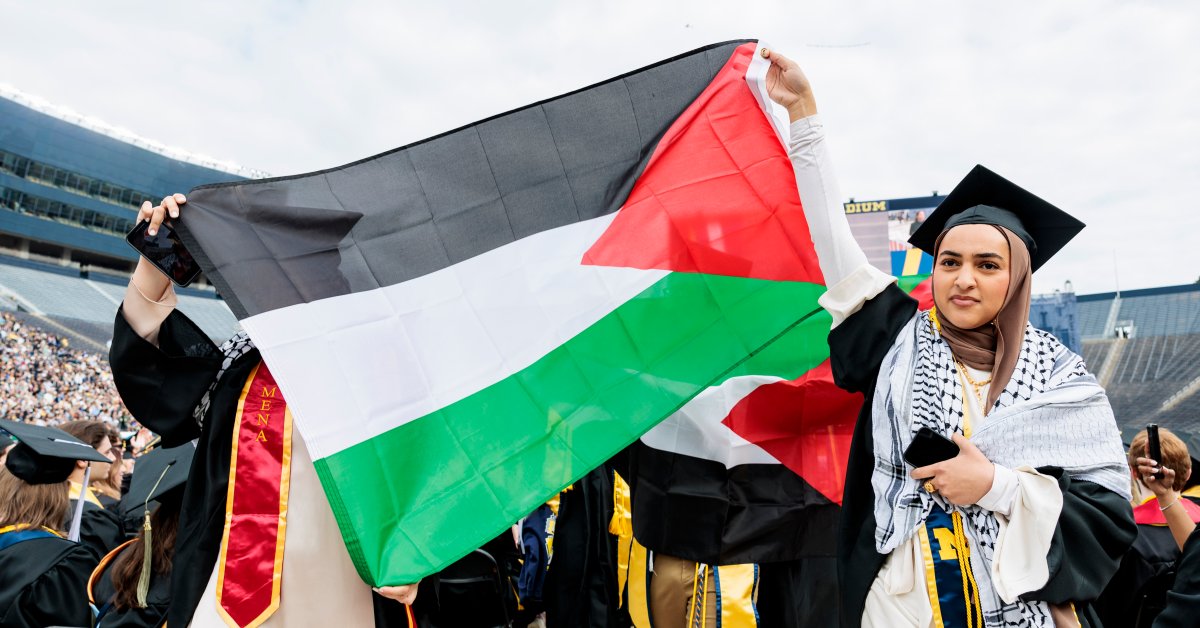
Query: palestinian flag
[[752, 469], [466, 325]]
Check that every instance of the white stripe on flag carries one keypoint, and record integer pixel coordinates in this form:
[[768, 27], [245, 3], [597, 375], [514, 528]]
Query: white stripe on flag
[[365, 363], [696, 429]]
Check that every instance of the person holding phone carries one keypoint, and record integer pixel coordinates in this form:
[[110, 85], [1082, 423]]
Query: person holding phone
[[1165, 519], [177, 382], [1159, 479], [1027, 519]]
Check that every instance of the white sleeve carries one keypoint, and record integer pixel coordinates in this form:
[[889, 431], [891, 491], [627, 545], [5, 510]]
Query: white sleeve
[[1019, 562], [851, 279], [1003, 492]]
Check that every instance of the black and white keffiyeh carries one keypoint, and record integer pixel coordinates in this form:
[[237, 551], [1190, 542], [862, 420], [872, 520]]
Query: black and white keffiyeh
[[1051, 413], [238, 345]]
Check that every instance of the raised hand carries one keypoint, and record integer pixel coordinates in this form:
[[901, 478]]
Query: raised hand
[[146, 279], [1163, 488], [787, 85], [157, 213]]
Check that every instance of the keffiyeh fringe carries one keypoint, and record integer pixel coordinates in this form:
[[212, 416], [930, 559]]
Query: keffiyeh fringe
[[238, 345]]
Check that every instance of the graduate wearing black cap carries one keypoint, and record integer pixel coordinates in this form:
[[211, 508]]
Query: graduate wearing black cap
[[986, 484], [131, 585], [100, 529], [43, 575]]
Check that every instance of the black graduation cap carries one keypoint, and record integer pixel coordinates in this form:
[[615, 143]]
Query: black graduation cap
[[157, 473], [984, 197], [45, 455]]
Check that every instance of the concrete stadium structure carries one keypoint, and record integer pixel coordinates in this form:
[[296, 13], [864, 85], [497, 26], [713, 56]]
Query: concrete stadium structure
[[70, 187], [1144, 346]]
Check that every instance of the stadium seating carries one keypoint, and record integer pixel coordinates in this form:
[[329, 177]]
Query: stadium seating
[[1092, 317], [55, 295], [1153, 342], [1166, 311], [1095, 352], [87, 306], [1148, 372]]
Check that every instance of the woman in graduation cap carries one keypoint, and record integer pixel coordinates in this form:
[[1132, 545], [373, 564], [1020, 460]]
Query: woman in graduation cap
[[1033, 491], [43, 575], [131, 585], [100, 528]]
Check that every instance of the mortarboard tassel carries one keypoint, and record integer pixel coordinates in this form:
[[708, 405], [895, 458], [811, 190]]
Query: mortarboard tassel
[[143, 587], [77, 518]]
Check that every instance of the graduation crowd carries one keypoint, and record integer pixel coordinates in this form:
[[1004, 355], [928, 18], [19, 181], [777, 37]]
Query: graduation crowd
[[986, 485], [45, 381], [62, 581]]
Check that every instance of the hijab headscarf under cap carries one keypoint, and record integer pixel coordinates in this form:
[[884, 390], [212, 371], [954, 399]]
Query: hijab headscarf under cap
[[996, 345]]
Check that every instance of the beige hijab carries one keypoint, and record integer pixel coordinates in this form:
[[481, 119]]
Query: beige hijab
[[995, 346]]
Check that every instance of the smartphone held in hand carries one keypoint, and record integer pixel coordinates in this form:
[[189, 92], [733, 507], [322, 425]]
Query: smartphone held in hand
[[1154, 448], [165, 251], [928, 447]]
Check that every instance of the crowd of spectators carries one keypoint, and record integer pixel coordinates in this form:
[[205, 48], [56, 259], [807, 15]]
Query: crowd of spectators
[[43, 380]]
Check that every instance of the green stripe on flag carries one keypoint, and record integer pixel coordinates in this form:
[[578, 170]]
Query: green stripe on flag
[[446, 483], [804, 346]]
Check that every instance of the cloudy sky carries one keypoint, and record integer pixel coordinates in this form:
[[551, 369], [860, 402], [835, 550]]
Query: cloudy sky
[[1091, 105]]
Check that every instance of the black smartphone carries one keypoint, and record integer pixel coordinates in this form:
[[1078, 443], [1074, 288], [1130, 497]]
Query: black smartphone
[[165, 251], [928, 447], [1154, 448]]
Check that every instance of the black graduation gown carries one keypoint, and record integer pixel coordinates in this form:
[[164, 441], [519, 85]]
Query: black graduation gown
[[100, 530], [444, 603], [581, 585], [158, 599], [1135, 592], [109, 503], [43, 582], [782, 524], [1094, 530], [161, 386], [1183, 602]]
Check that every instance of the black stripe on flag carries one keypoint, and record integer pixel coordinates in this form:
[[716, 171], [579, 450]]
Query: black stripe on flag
[[384, 220], [700, 510]]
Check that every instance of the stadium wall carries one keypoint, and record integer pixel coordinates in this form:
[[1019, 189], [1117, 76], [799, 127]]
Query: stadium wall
[[69, 193]]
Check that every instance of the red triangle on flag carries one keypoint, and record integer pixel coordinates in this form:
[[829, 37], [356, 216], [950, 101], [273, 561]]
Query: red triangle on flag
[[806, 424], [718, 196]]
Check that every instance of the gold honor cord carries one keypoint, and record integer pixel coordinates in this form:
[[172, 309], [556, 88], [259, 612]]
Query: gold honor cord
[[970, 588]]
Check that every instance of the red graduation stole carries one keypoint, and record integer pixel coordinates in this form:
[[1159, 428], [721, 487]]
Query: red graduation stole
[[250, 567], [1148, 512]]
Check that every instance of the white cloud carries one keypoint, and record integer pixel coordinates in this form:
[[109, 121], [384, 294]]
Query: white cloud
[[1089, 105]]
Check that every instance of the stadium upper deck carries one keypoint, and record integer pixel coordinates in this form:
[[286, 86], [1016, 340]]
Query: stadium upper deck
[[86, 306], [70, 186], [1166, 311]]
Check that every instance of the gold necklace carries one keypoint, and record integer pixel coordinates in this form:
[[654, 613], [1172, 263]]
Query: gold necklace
[[975, 386]]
